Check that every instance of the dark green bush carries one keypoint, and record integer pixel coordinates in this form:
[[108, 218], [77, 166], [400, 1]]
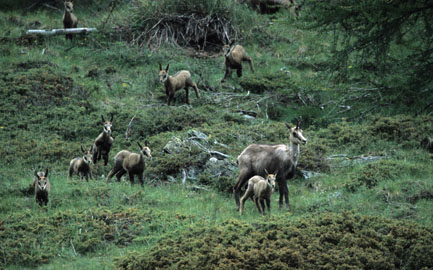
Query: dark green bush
[[327, 241], [270, 82]]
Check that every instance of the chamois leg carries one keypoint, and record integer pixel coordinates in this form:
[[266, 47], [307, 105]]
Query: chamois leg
[[170, 98], [247, 195], [284, 194], [244, 175], [250, 61], [131, 177], [239, 72], [105, 156], [227, 74], [259, 206], [281, 191], [268, 204], [192, 84], [71, 171], [187, 95], [141, 178], [114, 171], [120, 174]]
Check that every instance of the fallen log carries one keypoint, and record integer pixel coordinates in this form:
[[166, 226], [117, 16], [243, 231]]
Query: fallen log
[[61, 31]]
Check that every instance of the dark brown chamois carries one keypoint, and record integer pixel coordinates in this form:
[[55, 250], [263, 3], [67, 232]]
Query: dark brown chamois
[[234, 56], [180, 80], [103, 142], [42, 187], [69, 19], [133, 163], [257, 158]]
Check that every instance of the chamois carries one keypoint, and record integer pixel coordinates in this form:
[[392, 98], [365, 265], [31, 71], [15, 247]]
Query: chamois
[[181, 80], [81, 166], [69, 19], [262, 190], [42, 187], [103, 142], [256, 158], [234, 55], [133, 163]]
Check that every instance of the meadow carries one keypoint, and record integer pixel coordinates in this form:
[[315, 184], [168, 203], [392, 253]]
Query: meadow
[[367, 202]]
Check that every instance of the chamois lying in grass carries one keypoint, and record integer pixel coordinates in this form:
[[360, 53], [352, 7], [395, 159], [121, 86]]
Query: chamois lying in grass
[[234, 56], [69, 19], [180, 80], [42, 187], [262, 190], [133, 163], [103, 142], [256, 158], [81, 166]]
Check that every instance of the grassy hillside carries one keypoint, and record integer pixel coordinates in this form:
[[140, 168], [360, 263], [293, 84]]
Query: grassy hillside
[[368, 203]]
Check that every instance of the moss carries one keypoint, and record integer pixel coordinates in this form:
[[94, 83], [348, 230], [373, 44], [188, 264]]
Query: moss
[[271, 82], [328, 241]]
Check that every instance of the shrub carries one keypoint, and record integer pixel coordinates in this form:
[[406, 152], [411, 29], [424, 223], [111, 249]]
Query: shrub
[[270, 82], [327, 241]]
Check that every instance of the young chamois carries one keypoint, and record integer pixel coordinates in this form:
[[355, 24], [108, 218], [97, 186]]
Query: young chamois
[[234, 56], [133, 163], [69, 19], [262, 189], [81, 166], [103, 142], [42, 187], [256, 158], [181, 80]]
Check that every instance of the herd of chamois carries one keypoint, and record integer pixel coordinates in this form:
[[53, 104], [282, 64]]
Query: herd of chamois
[[260, 165]]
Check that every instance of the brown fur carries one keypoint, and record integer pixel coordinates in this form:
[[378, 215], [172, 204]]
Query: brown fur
[[81, 166], [262, 190], [234, 56], [42, 187], [181, 80], [103, 143], [69, 20], [133, 163], [281, 158]]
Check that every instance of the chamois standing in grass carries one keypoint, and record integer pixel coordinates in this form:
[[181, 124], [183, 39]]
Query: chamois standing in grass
[[133, 163], [42, 187], [69, 19], [256, 158], [262, 189], [180, 80], [234, 56], [103, 142], [81, 166]]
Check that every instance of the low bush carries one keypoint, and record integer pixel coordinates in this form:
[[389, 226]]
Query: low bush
[[327, 241]]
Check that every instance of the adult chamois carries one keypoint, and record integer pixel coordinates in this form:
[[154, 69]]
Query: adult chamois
[[103, 142], [133, 163], [180, 80], [257, 158], [42, 187], [69, 19], [234, 56]]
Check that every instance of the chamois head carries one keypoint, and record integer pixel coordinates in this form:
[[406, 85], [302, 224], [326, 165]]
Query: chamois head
[[42, 179], [107, 125], [227, 48], [69, 6], [87, 155], [296, 136], [144, 151], [163, 73], [270, 179]]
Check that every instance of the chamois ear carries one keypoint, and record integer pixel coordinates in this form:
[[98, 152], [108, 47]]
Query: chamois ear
[[91, 148], [82, 149], [102, 117], [112, 116], [146, 142], [46, 172], [266, 171], [166, 69], [36, 174], [231, 43], [160, 67], [298, 124], [139, 145], [288, 126]]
